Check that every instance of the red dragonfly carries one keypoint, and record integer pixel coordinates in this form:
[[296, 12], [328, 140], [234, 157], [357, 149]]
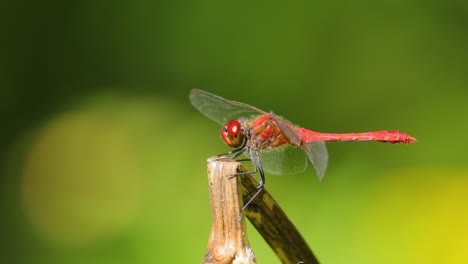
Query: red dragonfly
[[271, 142]]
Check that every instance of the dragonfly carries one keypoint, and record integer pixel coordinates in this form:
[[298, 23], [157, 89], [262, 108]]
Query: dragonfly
[[272, 143]]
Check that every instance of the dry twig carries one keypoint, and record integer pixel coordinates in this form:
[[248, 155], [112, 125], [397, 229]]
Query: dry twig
[[228, 239]]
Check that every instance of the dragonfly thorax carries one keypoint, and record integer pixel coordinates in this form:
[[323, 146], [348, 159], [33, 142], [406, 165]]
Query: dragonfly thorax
[[233, 134]]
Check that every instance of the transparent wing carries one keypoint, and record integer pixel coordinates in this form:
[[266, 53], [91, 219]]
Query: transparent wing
[[318, 155], [316, 151], [289, 130], [219, 109], [283, 161]]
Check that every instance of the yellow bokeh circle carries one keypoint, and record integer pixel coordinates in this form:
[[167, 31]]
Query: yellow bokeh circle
[[81, 179]]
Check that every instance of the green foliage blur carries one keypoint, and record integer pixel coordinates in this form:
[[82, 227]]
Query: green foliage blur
[[103, 157]]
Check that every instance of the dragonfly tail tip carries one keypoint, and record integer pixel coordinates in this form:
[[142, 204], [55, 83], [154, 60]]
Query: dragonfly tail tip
[[410, 140]]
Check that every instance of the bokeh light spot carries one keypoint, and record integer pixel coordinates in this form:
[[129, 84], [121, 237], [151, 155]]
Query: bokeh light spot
[[417, 216], [81, 179]]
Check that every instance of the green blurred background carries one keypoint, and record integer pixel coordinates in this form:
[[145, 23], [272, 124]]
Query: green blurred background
[[103, 157]]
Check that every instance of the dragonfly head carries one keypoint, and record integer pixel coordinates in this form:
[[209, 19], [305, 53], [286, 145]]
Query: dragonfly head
[[233, 134]]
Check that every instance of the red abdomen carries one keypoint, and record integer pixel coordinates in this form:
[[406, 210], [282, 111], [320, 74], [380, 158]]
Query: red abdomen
[[395, 137]]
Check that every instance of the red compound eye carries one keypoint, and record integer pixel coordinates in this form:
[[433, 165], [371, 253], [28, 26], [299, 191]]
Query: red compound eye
[[232, 134], [233, 127], [225, 135]]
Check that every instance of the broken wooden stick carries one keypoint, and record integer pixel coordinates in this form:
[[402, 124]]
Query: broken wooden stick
[[228, 239]]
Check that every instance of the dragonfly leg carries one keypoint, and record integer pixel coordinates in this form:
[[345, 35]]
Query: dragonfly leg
[[258, 167], [236, 152], [244, 173], [241, 150], [255, 158], [241, 173], [258, 190]]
